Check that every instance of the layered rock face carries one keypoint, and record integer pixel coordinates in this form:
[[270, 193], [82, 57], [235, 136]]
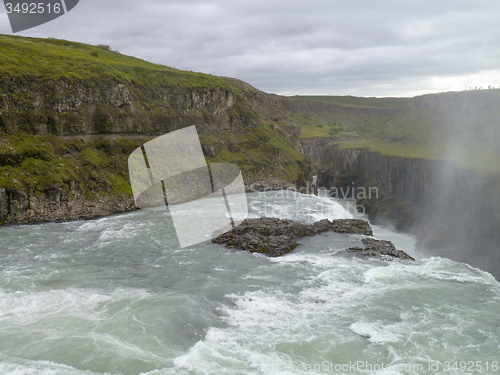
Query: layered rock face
[[472, 101], [232, 120], [56, 205], [72, 107], [454, 212], [410, 179], [315, 149]]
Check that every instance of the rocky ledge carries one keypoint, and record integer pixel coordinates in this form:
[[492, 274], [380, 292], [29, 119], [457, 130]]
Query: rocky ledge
[[274, 237], [56, 205], [378, 248]]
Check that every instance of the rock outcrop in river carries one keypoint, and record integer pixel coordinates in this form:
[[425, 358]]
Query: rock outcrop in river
[[274, 237], [380, 249]]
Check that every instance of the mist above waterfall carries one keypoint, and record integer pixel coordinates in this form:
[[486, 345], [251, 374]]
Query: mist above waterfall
[[462, 214]]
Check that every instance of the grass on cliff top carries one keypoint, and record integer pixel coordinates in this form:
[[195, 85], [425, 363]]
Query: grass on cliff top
[[389, 148], [349, 123], [355, 101], [478, 158], [467, 137], [311, 131], [54, 59], [311, 126], [414, 127], [328, 125]]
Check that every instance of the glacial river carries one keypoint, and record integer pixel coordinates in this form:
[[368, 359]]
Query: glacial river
[[118, 295]]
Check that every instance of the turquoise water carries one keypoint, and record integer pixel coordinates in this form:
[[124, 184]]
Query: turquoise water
[[119, 296]]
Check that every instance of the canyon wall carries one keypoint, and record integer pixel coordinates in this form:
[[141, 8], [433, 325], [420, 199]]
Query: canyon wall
[[472, 101], [84, 131], [454, 212], [72, 107]]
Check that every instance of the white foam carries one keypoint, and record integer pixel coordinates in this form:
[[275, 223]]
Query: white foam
[[374, 332], [308, 305], [7, 367], [92, 225], [262, 320], [22, 308], [302, 207], [128, 231], [432, 268], [326, 208], [341, 301]]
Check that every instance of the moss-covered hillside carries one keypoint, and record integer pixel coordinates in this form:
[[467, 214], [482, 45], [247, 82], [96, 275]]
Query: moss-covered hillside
[[342, 117], [58, 59], [70, 114]]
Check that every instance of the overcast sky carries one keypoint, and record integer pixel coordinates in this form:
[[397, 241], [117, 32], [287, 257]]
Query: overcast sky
[[317, 47]]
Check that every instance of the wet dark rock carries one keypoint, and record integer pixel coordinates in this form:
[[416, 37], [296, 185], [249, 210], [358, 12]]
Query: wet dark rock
[[379, 248], [275, 237]]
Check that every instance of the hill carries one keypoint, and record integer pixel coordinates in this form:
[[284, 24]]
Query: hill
[[70, 114]]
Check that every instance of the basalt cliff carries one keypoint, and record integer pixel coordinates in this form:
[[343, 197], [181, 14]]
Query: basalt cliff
[[447, 195], [70, 114]]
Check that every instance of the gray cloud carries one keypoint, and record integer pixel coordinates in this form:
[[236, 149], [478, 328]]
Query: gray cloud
[[357, 47]]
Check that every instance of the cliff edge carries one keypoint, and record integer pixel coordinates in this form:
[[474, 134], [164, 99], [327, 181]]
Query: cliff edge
[[70, 114]]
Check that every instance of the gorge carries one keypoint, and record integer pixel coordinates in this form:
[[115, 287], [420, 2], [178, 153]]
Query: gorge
[[448, 198], [70, 114]]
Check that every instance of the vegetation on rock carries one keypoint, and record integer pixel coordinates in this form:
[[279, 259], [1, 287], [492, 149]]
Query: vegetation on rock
[[70, 114]]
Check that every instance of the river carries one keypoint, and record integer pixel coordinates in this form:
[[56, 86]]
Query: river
[[118, 295]]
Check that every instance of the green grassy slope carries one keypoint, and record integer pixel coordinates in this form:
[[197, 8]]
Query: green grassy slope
[[54, 59], [38, 163], [36, 61], [357, 101], [412, 133], [98, 164], [468, 137], [341, 117]]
